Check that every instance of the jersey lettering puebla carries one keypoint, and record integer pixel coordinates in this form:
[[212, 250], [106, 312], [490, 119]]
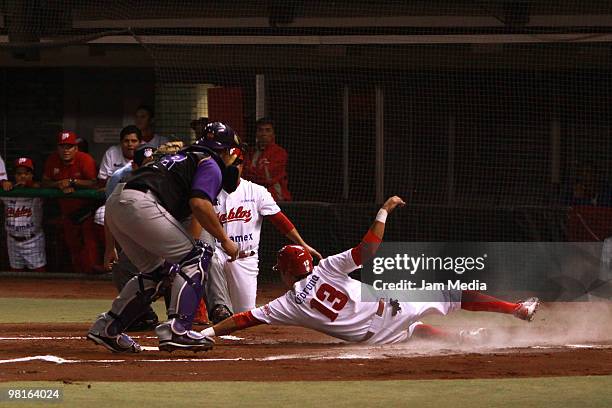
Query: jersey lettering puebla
[[328, 300], [23, 216], [177, 178], [241, 213]]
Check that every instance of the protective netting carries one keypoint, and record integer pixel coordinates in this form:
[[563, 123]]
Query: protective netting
[[491, 118]]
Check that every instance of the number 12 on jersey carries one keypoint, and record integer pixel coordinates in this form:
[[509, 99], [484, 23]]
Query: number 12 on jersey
[[329, 295]]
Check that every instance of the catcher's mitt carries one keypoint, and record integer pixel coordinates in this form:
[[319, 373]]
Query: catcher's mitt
[[169, 148]]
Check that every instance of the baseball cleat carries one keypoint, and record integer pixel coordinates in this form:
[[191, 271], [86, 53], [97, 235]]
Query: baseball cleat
[[122, 343], [148, 321], [476, 336], [526, 309], [190, 341]]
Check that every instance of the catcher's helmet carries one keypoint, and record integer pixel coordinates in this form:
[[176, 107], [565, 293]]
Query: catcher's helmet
[[218, 136], [294, 259]]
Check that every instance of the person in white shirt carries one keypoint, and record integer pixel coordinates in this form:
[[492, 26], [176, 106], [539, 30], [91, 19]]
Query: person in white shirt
[[326, 299], [119, 155], [144, 119], [3, 176]]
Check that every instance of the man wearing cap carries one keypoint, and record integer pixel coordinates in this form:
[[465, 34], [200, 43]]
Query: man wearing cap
[[25, 238], [69, 169]]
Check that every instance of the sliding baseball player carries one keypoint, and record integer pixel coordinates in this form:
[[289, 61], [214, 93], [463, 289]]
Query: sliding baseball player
[[326, 299]]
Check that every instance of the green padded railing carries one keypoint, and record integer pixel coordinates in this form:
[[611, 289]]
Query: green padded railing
[[52, 193]]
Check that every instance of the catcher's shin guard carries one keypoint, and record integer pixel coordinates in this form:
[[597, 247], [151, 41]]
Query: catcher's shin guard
[[188, 287], [132, 302]]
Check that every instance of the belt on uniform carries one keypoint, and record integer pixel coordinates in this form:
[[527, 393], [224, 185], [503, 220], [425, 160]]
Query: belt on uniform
[[23, 238], [379, 313], [138, 187]]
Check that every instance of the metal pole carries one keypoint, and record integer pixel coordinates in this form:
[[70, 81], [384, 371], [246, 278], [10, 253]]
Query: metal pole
[[450, 170], [260, 96], [555, 152], [380, 146], [345, 143]]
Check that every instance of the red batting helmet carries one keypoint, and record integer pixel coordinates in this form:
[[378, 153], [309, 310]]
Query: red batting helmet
[[294, 259]]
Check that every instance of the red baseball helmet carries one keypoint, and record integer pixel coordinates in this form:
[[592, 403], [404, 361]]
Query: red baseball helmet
[[294, 259]]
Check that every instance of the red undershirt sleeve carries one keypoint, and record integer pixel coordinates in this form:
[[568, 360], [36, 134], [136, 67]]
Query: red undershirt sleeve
[[245, 319], [366, 249], [281, 222]]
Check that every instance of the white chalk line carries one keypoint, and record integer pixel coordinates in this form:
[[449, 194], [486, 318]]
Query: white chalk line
[[356, 353], [232, 338], [60, 360], [315, 357]]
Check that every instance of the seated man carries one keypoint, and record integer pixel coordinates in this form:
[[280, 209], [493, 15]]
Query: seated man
[[118, 156], [326, 299]]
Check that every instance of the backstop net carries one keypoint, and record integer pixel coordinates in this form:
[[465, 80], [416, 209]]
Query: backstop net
[[490, 118]]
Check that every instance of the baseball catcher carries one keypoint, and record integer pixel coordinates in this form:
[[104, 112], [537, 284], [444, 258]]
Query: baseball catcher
[[149, 205]]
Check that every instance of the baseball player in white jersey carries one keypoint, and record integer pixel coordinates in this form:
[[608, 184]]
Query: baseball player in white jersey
[[326, 299], [234, 284], [23, 222]]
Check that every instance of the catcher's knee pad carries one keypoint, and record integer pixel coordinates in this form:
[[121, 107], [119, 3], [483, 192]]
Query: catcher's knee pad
[[188, 287], [134, 299], [201, 256]]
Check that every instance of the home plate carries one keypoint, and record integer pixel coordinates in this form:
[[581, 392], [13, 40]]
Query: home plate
[[232, 338]]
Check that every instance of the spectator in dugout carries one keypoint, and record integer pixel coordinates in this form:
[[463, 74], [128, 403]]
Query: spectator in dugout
[[267, 163], [68, 169], [25, 238], [3, 175], [144, 120], [118, 156]]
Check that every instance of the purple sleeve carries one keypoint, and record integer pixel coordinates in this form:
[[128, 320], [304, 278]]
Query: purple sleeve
[[207, 180]]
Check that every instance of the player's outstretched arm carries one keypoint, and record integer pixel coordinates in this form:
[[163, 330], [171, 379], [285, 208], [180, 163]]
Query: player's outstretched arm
[[231, 324], [372, 239]]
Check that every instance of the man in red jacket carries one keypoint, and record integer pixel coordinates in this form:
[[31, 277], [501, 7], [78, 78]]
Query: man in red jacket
[[68, 170], [267, 165]]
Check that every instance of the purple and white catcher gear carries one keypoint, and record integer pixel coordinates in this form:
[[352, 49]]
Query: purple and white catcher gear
[[186, 292]]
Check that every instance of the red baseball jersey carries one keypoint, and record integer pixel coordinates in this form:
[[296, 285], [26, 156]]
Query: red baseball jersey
[[83, 167], [269, 168]]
